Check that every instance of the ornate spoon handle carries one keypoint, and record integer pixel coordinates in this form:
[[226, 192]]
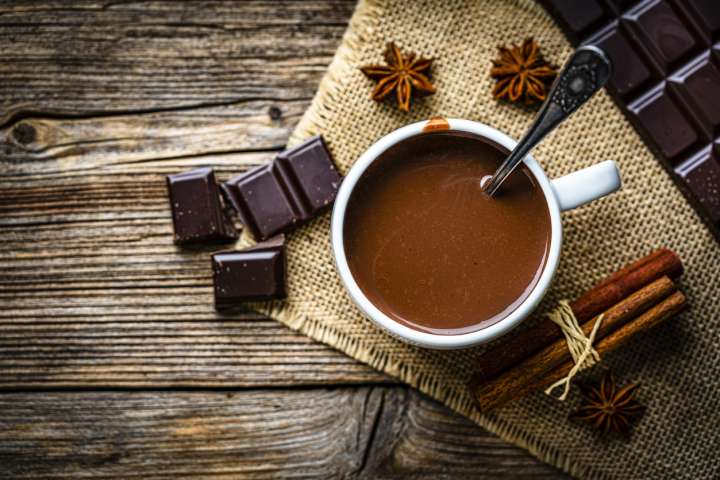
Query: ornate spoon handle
[[588, 69]]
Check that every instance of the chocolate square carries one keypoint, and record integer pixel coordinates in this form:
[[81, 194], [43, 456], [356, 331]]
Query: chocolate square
[[294, 188], [705, 13], [255, 273], [196, 207], [576, 16], [655, 26], [311, 169], [262, 201], [633, 73], [698, 83], [664, 122]]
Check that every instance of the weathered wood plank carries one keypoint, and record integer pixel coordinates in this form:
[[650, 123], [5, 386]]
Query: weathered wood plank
[[369, 433], [37, 145], [91, 57], [76, 346], [135, 191]]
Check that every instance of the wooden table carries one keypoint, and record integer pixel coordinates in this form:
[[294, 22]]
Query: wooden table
[[112, 360]]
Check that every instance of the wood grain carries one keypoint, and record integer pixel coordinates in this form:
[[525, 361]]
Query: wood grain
[[93, 290], [81, 58], [46, 145], [367, 432], [98, 102]]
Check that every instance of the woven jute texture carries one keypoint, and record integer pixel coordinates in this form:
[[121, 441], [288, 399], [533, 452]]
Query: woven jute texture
[[678, 364]]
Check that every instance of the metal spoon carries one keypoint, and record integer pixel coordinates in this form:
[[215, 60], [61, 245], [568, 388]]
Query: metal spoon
[[588, 69]]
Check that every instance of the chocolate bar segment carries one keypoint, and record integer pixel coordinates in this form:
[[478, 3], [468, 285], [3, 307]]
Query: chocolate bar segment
[[657, 29], [634, 73], [666, 56], [288, 192], [576, 17], [698, 83], [701, 175], [255, 273], [704, 13], [196, 207], [664, 122]]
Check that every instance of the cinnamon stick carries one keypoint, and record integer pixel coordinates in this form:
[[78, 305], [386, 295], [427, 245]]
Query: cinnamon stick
[[662, 256], [505, 387], [608, 292], [664, 262], [669, 307]]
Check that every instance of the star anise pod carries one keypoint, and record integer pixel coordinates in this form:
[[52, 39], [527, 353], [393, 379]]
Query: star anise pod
[[607, 407], [407, 75], [521, 72]]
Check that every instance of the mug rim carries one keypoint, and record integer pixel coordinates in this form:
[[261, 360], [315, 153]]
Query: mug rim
[[408, 334]]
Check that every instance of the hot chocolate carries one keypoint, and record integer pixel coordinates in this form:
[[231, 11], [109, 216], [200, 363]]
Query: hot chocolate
[[430, 249]]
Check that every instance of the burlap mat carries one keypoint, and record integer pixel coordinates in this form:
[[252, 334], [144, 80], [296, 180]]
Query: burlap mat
[[678, 364]]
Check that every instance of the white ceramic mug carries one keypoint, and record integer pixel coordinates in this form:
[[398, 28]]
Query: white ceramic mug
[[561, 194]]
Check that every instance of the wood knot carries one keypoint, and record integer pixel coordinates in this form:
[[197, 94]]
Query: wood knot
[[275, 113], [24, 133]]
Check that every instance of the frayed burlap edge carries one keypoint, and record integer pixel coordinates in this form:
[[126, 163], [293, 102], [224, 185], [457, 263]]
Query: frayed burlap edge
[[313, 121]]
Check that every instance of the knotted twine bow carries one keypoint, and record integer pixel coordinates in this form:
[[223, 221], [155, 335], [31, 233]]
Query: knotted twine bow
[[580, 346]]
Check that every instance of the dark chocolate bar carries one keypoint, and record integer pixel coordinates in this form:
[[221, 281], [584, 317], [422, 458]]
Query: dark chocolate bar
[[196, 207], [255, 273], [288, 192], [666, 78]]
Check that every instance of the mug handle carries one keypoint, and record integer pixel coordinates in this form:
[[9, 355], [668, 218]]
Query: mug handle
[[586, 185]]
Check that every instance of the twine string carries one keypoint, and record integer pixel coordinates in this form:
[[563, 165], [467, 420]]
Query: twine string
[[580, 347]]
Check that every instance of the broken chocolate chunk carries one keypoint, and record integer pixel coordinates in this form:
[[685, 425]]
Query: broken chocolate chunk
[[196, 206], [294, 188], [255, 273]]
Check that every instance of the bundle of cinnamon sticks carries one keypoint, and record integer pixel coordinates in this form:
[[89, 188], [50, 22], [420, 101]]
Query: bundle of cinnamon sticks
[[634, 299]]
